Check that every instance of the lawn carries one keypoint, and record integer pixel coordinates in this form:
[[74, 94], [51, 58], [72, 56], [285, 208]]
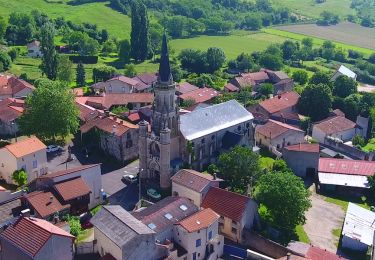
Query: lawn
[[302, 236], [86, 235], [343, 201], [117, 24]]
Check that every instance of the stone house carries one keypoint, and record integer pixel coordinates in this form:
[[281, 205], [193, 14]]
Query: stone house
[[198, 235], [277, 135], [185, 87], [120, 236], [193, 185], [146, 81], [237, 212], [13, 87], [199, 95], [32, 238], [33, 49], [28, 154], [118, 85], [303, 159], [10, 110]]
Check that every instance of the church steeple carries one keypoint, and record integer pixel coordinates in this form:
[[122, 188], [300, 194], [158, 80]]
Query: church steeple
[[164, 67]]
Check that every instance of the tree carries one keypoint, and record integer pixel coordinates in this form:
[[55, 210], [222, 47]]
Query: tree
[[13, 53], [139, 37], [64, 69], [156, 34], [285, 197], [62, 116], [240, 167], [47, 45], [344, 86], [272, 62], [124, 50], [20, 177], [315, 101], [3, 27], [5, 60], [371, 183], [89, 46], [320, 78], [103, 73], [372, 58], [215, 59], [307, 42], [252, 22], [176, 25], [300, 76], [80, 75], [353, 106], [188, 102], [21, 28], [193, 60], [289, 49], [280, 166], [266, 89], [130, 70], [358, 140]]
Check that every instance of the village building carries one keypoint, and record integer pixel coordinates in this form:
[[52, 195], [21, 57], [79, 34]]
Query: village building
[[33, 49], [28, 154], [344, 71], [10, 210], [302, 158], [301, 251], [358, 232], [198, 96], [32, 238], [119, 85], [13, 87], [146, 81], [277, 135], [198, 235], [229, 87], [193, 185], [343, 175], [237, 212], [10, 110], [185, 87]]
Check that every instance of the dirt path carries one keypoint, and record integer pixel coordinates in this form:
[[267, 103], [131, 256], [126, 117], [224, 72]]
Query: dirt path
[[321, 219]]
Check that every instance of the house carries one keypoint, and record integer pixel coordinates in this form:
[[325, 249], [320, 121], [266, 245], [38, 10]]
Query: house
[[359, 228], [10, 110], [281, 81], [33, 49], [13, 87], [302, 158], [89, 174], [220, 128], [118, 85], [86, 113], [278, 135], [145, 81], [285, 103], [129, 100], [122, 236], [9, 212], [28, 154], [200, 95], [342, 70], [198, 235], [337, 127], [253, 79], [117, 138], [193, 185], [343, 175], [302, 250], [231, 88], [237, 212], [185, 87], [32, 238]]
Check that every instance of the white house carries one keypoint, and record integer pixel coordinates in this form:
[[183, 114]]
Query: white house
[[359, 228], [33, 49], [342, 70], [29, 154], [117, 85], [198, 235]]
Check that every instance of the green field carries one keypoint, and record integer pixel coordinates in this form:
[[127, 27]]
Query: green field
[[117, 24]]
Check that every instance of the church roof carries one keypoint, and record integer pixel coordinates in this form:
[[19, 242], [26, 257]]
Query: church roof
[[213, 119], [164, 67]]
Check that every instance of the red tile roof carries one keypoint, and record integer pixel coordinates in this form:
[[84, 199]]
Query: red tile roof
[[280, 102], [125, 79], [44, 203], [72, 189], [243, 82], [134, 117], [10, 85], [316, 253], [86, 113], [11, 109], [145, 80], [109, 125], [344, 166], [231, 88], [335, 125], [256, 76], [200, 220], [192, 179], [308, 148], [121, 99], [274, 128], [185, 87], [201, 95], [27, 146], [31, 234], [226, 203]]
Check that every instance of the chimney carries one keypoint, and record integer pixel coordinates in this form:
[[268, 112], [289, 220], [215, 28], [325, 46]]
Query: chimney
[[25, 213], [214, 175], [106, 112], [51, 199], [279, 96], [288, 256]]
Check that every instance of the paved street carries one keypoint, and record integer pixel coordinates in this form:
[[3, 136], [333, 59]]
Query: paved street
[[321, 219]]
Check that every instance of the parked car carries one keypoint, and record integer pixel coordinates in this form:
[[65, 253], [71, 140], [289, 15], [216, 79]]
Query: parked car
[[153, 194], [129, 178], [53, 148]]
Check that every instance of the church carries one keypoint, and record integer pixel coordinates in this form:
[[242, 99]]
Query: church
[[193, 140]]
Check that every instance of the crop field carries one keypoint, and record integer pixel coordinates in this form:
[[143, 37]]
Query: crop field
[[347, 33]]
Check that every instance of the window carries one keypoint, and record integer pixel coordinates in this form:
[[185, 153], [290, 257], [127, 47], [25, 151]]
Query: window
[[168, 216], [152, 226], [234, 222], [128, 136], [203, 141], [234, 230], [23, 167], [239, 128], [212, 137], [210, 235], [35, 164], [123, 89], [183, 207], [198, 243], [194, 256]]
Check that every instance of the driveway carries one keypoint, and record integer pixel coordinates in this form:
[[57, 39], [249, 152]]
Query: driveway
[[57, 161], [321, 219]]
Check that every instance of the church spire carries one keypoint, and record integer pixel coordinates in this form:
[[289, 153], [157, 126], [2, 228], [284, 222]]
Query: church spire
[[164, 67]]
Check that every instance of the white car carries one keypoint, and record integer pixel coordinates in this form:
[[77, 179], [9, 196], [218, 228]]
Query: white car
[[130, 178], [53, 148]]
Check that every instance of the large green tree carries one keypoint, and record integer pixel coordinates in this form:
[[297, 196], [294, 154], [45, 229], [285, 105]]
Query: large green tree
[[64, 69], [315, 101], [49, 59], [215, 59], [239, 167], [80, 75], [285, 197], [3, 27], [50, 111], [344, 86], [124, 50], [320, 78], [139, 37]]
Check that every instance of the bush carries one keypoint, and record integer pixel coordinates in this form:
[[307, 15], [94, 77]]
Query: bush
[[84, 59]]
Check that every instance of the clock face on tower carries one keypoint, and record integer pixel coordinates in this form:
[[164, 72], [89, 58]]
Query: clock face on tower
[[154, 149]]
